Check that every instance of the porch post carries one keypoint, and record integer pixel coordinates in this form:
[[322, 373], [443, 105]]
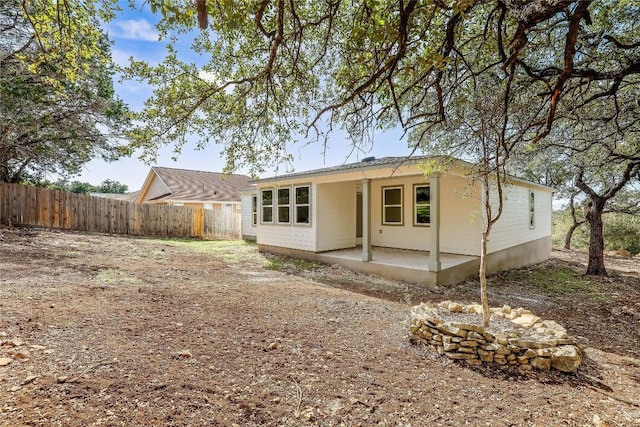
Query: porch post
[[366, 220], [434, 255]]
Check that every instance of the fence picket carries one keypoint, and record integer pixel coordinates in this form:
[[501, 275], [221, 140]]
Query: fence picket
[[41, 207]]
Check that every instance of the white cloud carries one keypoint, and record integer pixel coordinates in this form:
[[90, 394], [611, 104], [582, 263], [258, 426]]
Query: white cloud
[[136, 29]]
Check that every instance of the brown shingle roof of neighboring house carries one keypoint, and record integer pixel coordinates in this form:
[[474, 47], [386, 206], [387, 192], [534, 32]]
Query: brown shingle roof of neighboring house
[[184, 184]]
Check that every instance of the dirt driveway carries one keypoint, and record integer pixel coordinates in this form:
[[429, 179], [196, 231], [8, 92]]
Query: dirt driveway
[[100, 330]]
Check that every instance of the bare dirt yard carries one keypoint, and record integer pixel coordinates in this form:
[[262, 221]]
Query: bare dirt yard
[[100, 330]]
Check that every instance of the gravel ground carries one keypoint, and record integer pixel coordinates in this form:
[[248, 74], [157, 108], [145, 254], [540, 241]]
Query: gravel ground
[[99, 330]]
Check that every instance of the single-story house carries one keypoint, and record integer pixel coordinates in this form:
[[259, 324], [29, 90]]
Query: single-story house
[[387, 217], [197, 189]]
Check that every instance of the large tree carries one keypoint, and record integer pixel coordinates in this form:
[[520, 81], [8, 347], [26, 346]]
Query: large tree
[[57, 102], [273, 71]]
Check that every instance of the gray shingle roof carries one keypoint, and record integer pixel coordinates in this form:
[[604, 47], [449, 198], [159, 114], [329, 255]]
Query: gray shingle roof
[[367, 163], [185, 184]]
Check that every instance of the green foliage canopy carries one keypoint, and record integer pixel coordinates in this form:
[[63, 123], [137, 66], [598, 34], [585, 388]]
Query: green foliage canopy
[[57, 102], [274, 71]]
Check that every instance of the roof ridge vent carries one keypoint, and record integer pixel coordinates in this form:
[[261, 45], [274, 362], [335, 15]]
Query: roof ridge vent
[[368, 159]]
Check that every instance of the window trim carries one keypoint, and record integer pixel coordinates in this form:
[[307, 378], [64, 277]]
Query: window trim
[[415, 205], [263, 206], [296, 205], [254, 210], [278, 205], [532, 210], [401, 205]]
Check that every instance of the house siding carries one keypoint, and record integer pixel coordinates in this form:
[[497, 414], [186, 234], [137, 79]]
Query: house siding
[[460, 220], [156, 189], [300, 237], [512, 228], [248, 229], [336, 218]]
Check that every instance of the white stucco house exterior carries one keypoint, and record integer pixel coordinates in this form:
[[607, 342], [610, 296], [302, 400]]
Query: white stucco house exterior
[[385, 216]]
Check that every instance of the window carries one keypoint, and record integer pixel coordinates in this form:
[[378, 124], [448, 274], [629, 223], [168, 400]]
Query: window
[[392, 205], [178, 203], [267, 205], [532, 209], [421, 205], [207, 206], [254, 210], [283, 205], [302, 205]]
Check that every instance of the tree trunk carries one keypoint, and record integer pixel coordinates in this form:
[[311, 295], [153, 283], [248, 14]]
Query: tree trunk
[[484, 298], [575, 224], [569, 235], [596, 239]]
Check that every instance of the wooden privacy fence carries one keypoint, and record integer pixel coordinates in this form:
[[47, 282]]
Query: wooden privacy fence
[[34, 206]]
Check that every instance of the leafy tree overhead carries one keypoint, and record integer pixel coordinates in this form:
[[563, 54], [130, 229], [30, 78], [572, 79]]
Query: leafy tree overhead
[[274, 70], [57, 102]]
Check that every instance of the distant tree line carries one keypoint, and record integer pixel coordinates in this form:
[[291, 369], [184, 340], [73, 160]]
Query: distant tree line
[[107, 186]]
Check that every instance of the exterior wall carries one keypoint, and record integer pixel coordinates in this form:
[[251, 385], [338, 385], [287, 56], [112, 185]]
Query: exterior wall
[[460, 220], [302, 237], [249, 231], [406, 236], [192, 205], [336, 217], [512, 229], [156, 189]]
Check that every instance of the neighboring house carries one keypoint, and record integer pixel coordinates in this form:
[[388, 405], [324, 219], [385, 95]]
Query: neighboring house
[[127, 197], [198, 189], [384, 216]]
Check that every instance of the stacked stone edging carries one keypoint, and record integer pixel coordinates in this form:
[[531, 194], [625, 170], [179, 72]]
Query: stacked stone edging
[[524, 340]]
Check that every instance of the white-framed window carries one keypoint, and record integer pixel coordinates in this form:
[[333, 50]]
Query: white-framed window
[[421, 205], [266, 198], [284, 205], [228, 207], [178, 203], [532, 209], [254, 210], [207, 206], [392, 212], [302, 204]]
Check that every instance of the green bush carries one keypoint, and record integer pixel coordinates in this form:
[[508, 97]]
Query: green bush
[[621, 231]]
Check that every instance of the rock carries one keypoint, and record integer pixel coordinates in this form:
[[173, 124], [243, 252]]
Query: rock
[[487, 357], [4, 361], [183, 354], [450, 346], [468, 327], [449, 329], [541, 363], [462, 356], [456, 307], [61, 379], [474, 309], [526, 320], [273, 346], [29, 379], [554, 328], [566, 358], [469, 343]]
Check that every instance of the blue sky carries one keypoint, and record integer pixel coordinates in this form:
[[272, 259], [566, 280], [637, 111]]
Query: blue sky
[[134, 35]]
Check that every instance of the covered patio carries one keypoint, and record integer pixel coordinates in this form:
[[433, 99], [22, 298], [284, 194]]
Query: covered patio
[[404, 264]]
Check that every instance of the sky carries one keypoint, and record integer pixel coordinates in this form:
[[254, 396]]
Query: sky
[[134, 35]]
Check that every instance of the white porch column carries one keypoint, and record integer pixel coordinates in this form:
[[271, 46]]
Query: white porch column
[[366, 220], [434, 255]]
